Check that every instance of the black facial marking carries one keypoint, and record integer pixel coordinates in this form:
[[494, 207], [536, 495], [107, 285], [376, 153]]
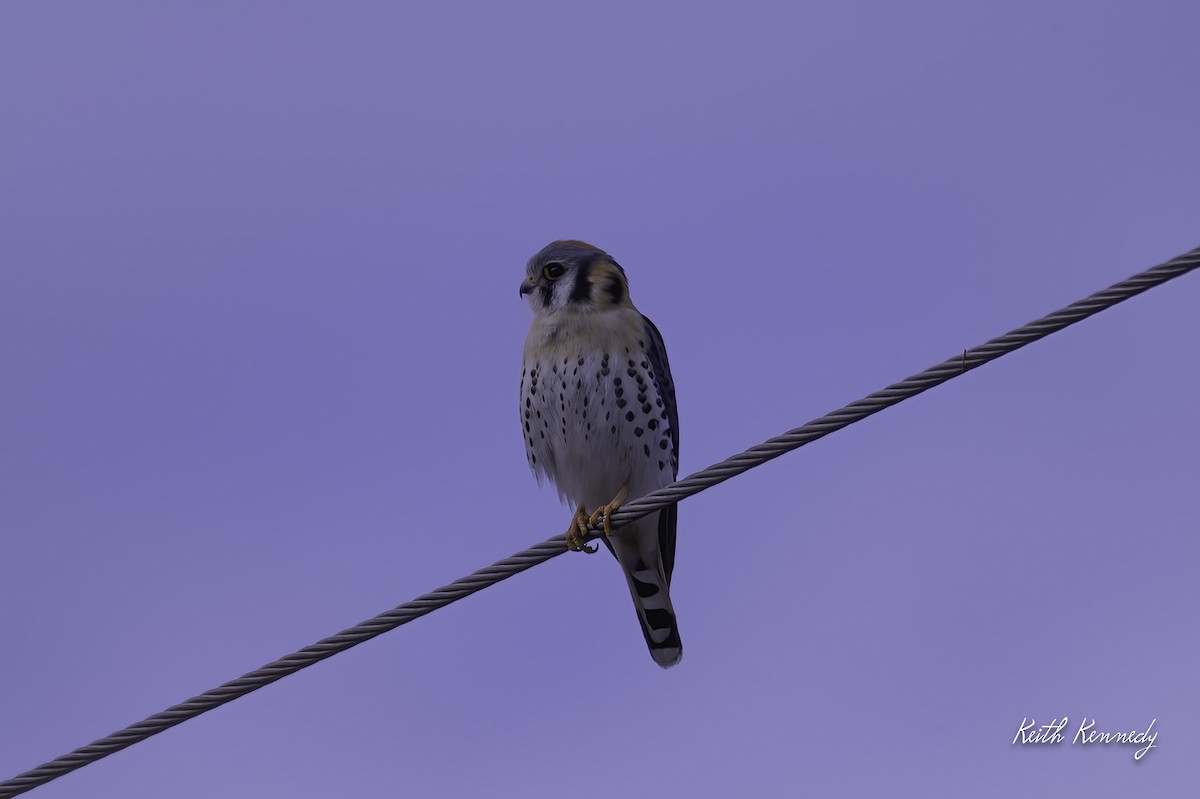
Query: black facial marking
[[546, 290], [582, 290], [615, 288]]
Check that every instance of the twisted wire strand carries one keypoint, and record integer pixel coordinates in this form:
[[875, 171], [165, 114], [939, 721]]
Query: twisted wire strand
[[552, 547]]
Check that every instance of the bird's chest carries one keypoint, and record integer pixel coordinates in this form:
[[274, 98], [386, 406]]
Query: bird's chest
[[593, 420]]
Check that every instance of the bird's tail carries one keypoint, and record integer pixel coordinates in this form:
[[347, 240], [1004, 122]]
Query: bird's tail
[[649, 584]]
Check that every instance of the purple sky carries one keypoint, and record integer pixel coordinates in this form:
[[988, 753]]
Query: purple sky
[[260, 342]]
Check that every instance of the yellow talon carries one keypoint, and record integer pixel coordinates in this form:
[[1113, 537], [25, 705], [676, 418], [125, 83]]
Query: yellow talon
[[577, 533], [603, 514]]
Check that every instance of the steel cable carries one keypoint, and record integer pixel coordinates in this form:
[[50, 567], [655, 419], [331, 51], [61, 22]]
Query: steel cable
[[552, 547]]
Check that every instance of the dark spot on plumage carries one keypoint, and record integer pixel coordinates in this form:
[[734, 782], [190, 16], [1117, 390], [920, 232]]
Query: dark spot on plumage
[[645, 407], [540, 433], [645, 365], [644, 590], [527, 427], [652, 424], [630, 360], [658, 401], [539, 413], [620, 403], [589, 424], [629, 416], [585, 401], [661, 465], [641, 396], [616, 381], [580, 362], [662, 444], [663, 415], [659, 618], [554, 368], [527, 402], [641, 344], [578, 384], [615, 288], [575, 371], [637, 431], [603, 371], [532, 457], [631, 372], [614, 429], [646, 449], [620, 392], [565, 361], [607, 415]]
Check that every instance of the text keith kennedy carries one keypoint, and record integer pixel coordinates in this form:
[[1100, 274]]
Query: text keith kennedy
[[1031, 733]]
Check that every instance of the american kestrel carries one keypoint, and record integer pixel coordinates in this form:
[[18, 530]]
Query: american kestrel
[[599, 417]]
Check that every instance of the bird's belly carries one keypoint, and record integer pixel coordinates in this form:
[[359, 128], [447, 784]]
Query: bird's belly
[[592, 426]]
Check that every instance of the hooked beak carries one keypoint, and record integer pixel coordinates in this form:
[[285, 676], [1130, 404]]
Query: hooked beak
[[527, 285]]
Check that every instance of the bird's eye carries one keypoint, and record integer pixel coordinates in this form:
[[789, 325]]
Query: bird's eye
[[553, 271]]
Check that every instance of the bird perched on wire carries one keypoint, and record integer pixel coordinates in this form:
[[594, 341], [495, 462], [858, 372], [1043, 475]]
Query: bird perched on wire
[[599, 416]]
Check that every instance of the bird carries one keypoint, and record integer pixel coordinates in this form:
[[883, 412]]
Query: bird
[[600, 421]]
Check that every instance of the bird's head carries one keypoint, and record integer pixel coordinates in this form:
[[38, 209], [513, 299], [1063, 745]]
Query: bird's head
[[574, 275]]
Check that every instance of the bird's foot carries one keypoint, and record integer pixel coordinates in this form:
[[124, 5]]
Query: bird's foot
[[578, 531], [603, 514]]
